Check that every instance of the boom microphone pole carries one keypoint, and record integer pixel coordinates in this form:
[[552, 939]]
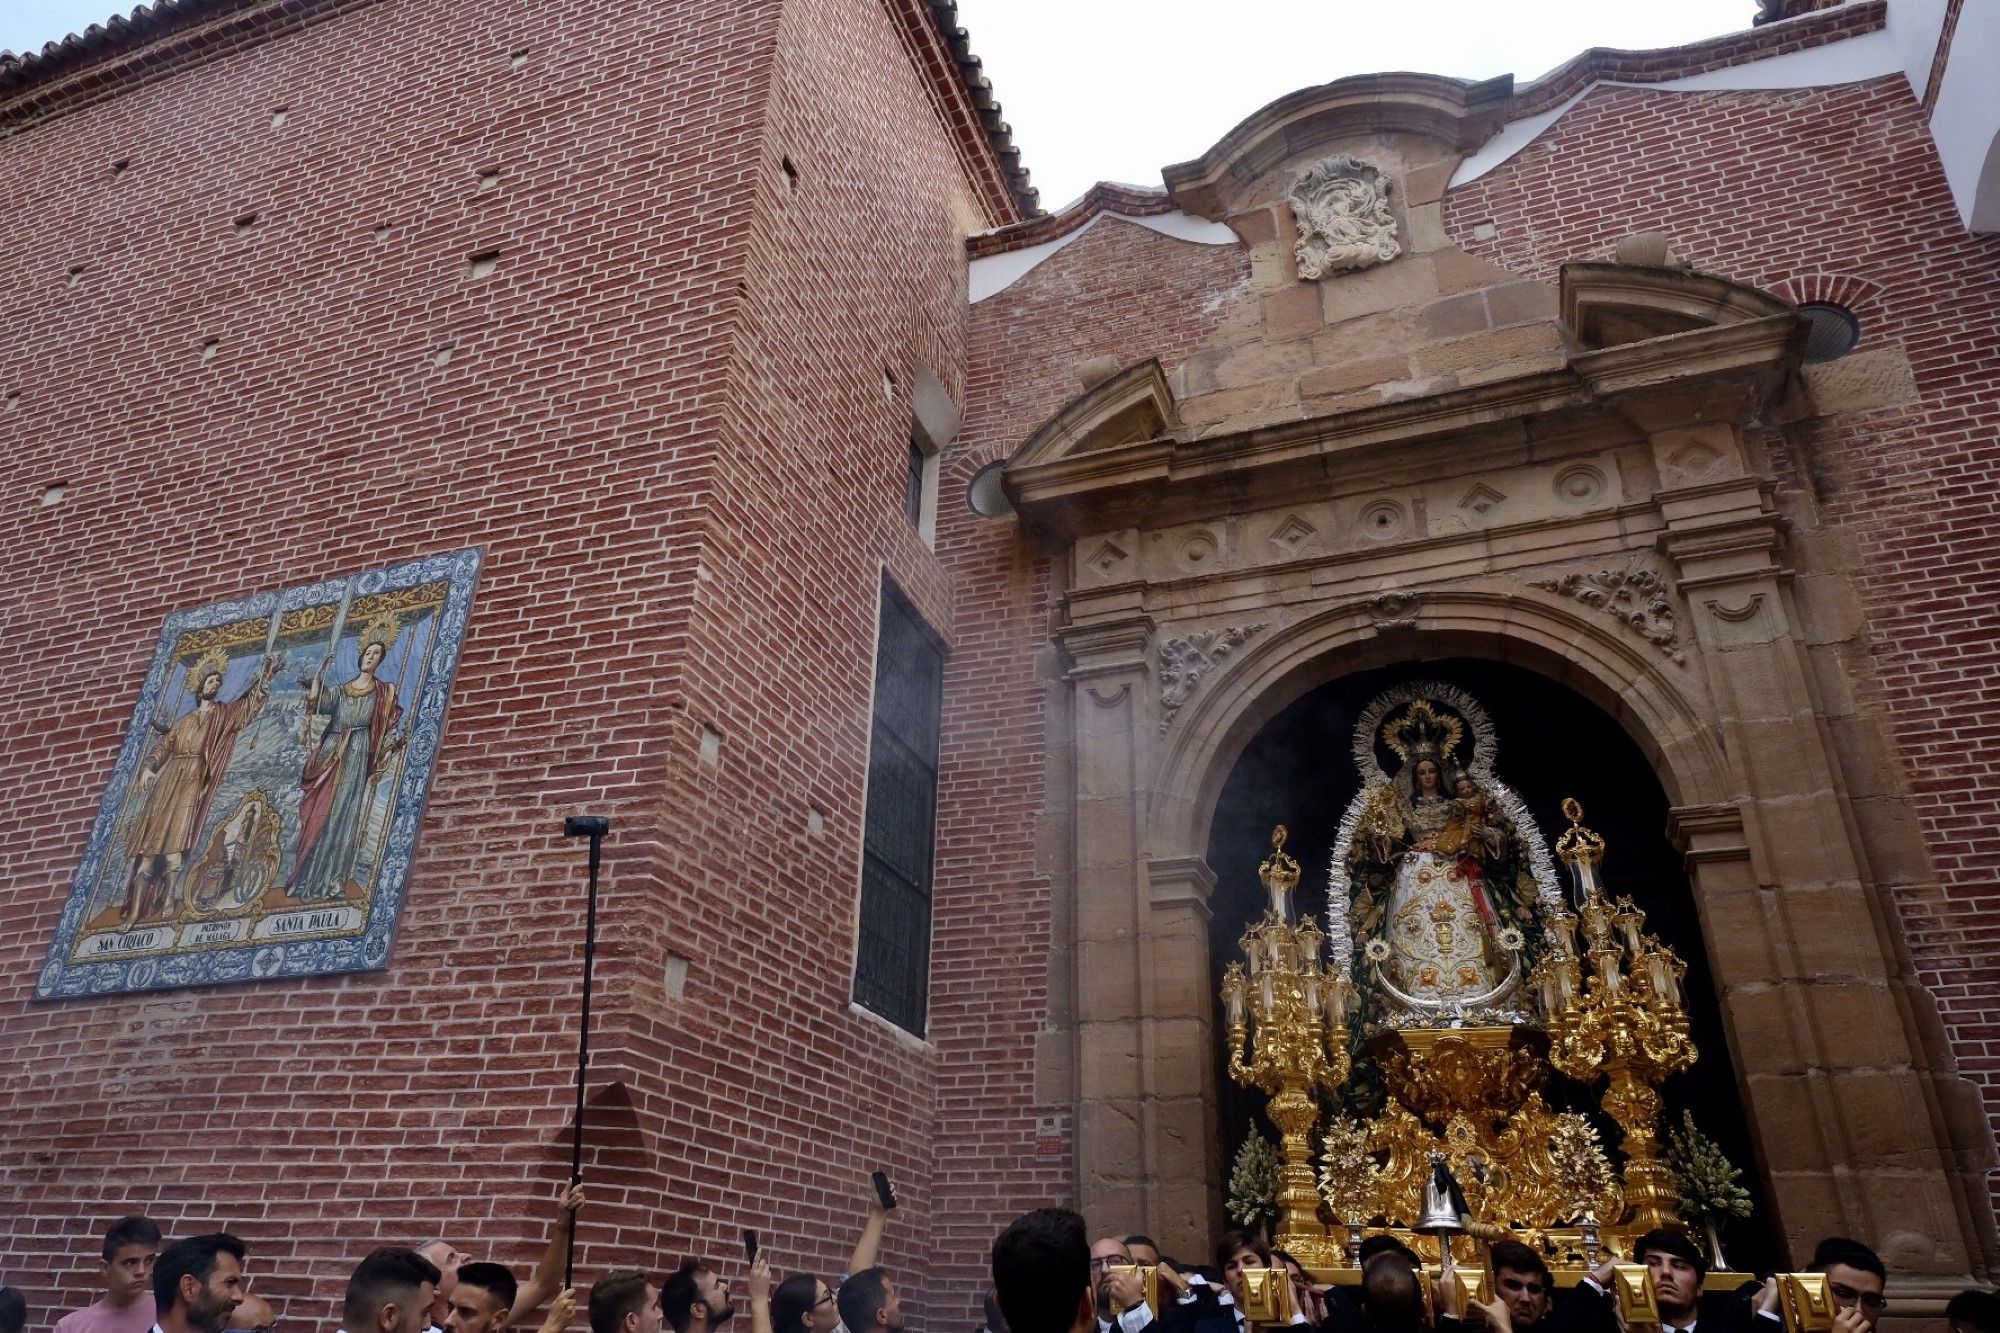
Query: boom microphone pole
[[593, 827]]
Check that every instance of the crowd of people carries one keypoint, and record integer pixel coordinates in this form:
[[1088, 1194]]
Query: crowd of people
[[1047, 1277]]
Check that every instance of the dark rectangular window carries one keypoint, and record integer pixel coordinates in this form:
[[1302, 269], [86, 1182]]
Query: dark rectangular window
[[892, 966], [913, 486]]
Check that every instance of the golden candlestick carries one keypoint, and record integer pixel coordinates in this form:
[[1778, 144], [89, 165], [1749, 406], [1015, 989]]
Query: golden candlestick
[[1621, 1016], [1298, 1008]]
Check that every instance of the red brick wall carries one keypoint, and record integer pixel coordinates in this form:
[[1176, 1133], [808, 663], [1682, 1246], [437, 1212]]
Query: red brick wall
[[663, 416], [1118, 290], [855, 280]]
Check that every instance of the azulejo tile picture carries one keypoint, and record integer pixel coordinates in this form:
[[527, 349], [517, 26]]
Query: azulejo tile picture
[[265, 806]]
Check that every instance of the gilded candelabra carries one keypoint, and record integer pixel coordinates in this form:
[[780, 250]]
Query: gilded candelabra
[[1299, 1008], [1611, 1003]]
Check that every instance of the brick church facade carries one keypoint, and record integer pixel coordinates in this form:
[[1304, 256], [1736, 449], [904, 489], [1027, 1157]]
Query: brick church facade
[[698, 319]]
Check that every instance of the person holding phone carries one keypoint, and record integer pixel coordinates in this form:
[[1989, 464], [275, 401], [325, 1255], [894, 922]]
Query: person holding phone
[[803, 1303]]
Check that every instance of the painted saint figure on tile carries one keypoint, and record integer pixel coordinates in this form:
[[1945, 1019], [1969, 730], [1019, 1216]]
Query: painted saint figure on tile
[[263, 812], [178, 781], [357, 743]]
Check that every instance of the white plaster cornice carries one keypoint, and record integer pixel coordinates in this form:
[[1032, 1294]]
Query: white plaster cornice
[[996, 273], [1855, 60]]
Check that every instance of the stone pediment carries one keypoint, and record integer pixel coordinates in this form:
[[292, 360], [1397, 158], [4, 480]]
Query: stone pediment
[[1112, 425], [1453, 113], [1608, 305], [1130, 407], [1121, 452]]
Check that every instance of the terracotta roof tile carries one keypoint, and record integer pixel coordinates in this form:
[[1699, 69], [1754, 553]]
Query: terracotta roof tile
[[998, 132]]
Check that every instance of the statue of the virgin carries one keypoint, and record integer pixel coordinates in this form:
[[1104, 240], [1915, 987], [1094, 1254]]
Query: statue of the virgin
[[1445, 880]]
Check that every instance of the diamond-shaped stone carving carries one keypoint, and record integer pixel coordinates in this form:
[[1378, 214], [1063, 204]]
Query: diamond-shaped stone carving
[[1292, 535], [1480, 499], [1694, 461], [1107, 557]]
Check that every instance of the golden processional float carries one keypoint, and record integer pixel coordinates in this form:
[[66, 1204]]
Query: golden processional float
[[1453, 975]]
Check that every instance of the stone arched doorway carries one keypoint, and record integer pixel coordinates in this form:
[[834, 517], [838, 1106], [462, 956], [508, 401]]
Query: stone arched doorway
[[1839, 1097], [1297, 770], [1611, 524]]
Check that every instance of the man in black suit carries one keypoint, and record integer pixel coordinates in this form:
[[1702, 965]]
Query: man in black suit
[[1855, 1279], [1677, 1268]]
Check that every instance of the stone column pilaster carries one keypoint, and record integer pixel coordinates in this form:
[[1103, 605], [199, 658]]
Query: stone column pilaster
[[1796, 936], [1112, 712]]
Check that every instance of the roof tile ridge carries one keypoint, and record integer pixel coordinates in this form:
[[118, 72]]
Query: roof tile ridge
[[979, 89], [128, 50], [1104, 197], [121, 29]]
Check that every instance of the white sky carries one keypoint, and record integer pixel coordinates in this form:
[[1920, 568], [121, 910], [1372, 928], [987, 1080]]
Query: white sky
[[1117, 89]]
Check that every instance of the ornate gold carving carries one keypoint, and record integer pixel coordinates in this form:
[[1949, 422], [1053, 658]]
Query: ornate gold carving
[[1623, 1020], [1469, 1095], [1423, 729], [1300, 1010]]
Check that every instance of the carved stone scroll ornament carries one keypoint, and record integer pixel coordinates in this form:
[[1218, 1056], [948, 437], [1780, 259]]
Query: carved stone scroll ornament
[[1342, 207], [1184, 660], [1393, 610], [1636, 596]]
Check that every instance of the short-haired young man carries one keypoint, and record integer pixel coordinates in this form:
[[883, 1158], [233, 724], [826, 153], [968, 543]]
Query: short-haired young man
[[541, 1284], [198, 1283], [390, 1292], [13, 1310], [1522, 1285], [131, 1246], [1236, 1251], [695, 1299], [625, 1301], [1143, 1249], [1855, 1279], [869, 1302], [481, 1299], [1522, 1281], [1676, 1268], [1041, 1274]]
